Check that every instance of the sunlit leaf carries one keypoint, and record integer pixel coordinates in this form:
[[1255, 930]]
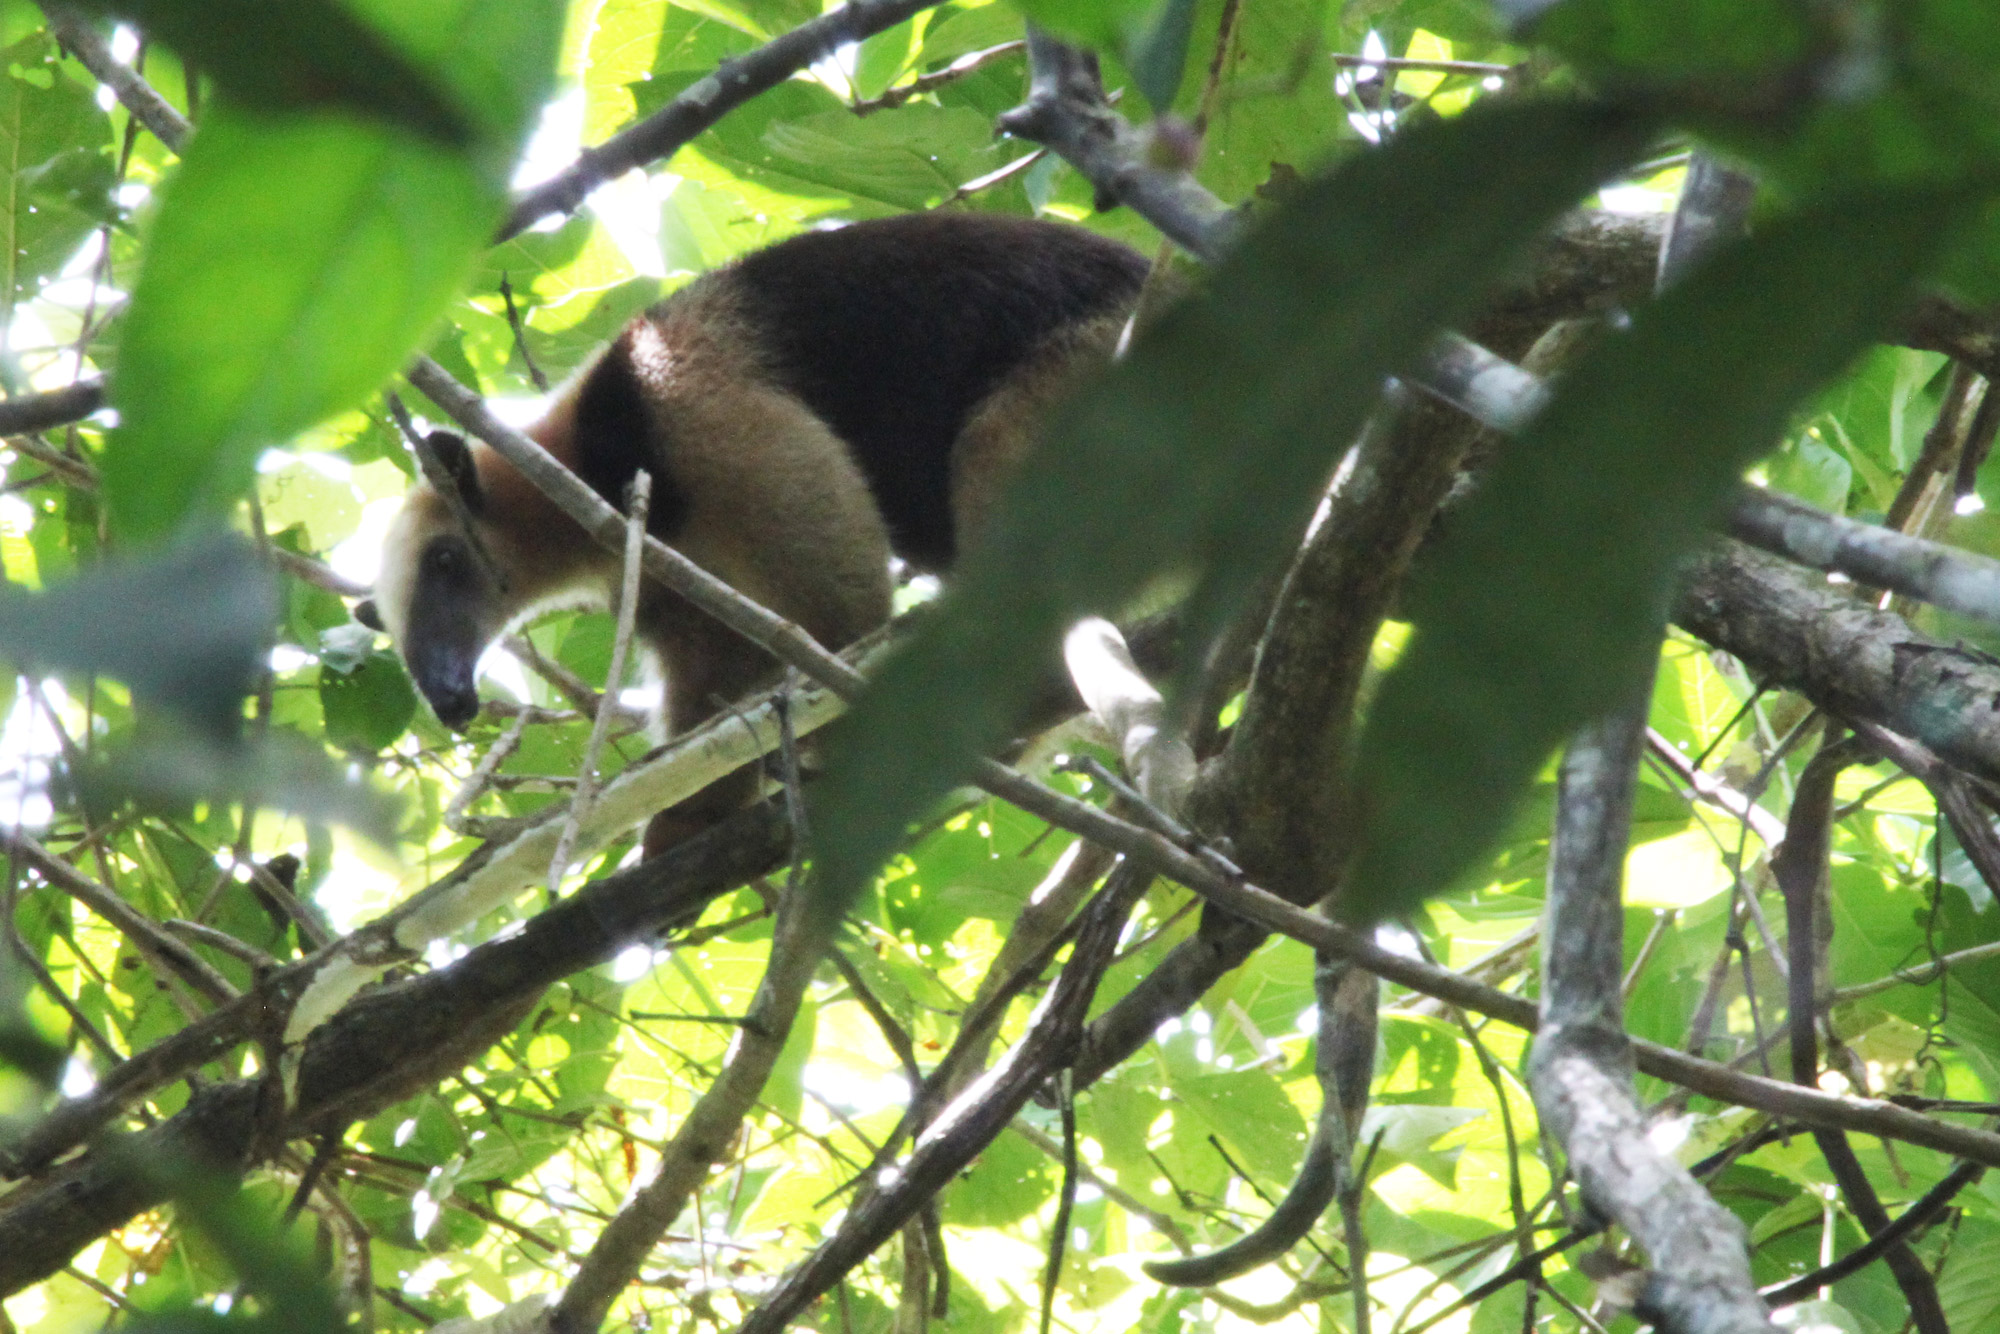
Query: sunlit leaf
[[293, 265]]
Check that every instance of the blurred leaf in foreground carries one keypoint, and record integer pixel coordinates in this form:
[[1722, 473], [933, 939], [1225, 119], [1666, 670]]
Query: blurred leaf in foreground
[[1546, 594]]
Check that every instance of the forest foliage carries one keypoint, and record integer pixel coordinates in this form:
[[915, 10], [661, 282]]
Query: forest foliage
[[212, 771]]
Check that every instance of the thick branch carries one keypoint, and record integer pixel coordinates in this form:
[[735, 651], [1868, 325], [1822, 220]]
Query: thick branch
[[1845, 656], [1274, 790], [27, 413], [1594, 260]]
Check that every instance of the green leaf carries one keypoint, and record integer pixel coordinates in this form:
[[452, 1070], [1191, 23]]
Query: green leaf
[[909, 157], [270, 1259], [1203, 452], [1009, 1180], [186, 629], [1970, 1285], [24, 1047], [1547, 593], [1251, 134], [300, 55], [495, 59], [293, 265], [1810, 470], [55, 166], [368, 707], [1678, 39]]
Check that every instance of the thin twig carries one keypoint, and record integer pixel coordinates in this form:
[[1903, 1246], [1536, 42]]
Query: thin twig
[[639, 501], [992, 178], [220, 940], [1348, 61], [514, 323], [936, 79], [497, 754], [1065, 1201], [168, 955]]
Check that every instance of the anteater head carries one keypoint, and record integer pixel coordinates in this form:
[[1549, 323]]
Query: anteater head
[[443, 594]]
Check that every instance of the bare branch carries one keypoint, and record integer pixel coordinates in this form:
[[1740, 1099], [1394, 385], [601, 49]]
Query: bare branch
[[137, 96], [1944, 576], [1799, 866], [1275, 789], [1580, 1066], [1707, 787], [25, 414], [1851, 659], [614, 680]]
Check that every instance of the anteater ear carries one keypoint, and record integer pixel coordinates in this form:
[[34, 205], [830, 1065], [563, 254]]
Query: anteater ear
[[452, 453], [365, 612]]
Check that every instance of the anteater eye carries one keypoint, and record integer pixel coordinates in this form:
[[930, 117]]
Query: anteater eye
[[442, 558]]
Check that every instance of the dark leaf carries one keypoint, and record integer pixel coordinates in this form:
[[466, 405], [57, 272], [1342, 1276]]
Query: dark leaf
[[282, 771], [292, 266]]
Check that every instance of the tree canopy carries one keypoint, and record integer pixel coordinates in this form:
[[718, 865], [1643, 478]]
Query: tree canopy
[[1519, 854]]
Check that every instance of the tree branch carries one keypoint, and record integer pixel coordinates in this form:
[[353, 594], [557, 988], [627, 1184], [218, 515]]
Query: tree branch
[[734, 82], [1849, 658], [705, 1134], [1799, 867], [1580, 1066], [25, 414], [1944, 576], [137, 96], [384, 1046]]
